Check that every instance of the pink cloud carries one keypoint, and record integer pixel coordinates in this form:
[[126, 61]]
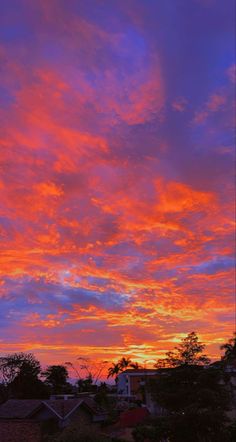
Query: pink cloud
[[179, 104]]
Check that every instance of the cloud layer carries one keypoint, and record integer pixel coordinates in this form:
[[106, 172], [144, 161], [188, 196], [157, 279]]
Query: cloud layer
[[116, 176]]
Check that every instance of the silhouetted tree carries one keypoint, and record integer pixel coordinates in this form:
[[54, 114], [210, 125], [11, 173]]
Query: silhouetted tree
[[56, 376], [20, 373], [188, 352], [86, 385], [135, 365], [232, 431], [101, 396], [124, 363], [192, 395], [230, 350], [195, 401], [27, 386], [120, 366], [18, 363], [114, 370], [154, 431]]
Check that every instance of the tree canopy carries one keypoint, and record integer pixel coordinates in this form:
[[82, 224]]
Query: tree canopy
[[120, 366], [193, 398], [194, 403], [20, 374], [230, 350], [188, 352], [56, 376], [23, 364]]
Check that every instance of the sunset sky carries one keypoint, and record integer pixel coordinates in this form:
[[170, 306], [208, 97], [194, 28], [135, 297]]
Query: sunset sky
[[116, 176]]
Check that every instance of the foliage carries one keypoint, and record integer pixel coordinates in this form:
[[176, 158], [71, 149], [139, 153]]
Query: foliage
[[153, 433], [17, 364], [199, 426], [232, 431], [27, 386], [56, 376], [114, 370], [195, 401], [188, 352], [191, 386], [101, 396], [120, 366], [20, 372], [230, 350], [86, 385], [107, 402], [87, 369], [192, 394], [125, 363]]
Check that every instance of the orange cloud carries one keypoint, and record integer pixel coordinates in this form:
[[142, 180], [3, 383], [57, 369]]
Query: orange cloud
[[116, 204]]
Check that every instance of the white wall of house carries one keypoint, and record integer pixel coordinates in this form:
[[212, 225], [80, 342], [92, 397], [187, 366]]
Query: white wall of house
[[122, 384]]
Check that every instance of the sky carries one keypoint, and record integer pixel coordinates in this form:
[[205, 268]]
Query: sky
[[116, 177]]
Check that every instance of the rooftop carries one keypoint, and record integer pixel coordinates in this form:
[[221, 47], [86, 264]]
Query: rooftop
[[140, 370], [26, 408], [19, 408]]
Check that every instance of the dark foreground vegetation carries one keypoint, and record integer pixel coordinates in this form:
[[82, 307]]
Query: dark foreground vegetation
[[195, 399]]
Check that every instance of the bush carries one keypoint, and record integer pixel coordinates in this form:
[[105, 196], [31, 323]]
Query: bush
[[153, 433]]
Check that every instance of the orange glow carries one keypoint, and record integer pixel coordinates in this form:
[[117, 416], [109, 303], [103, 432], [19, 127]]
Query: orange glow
[[116, 181]]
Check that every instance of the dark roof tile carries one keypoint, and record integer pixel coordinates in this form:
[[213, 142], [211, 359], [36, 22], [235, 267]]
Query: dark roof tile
[[63, 407], [19, 408]]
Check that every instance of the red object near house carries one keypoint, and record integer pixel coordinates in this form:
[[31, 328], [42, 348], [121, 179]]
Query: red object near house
[[133, 417]]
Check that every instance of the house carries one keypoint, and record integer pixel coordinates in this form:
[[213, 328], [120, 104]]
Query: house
[[17, 416], [132, 382]]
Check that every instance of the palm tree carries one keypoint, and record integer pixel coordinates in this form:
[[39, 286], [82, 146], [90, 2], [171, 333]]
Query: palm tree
[[124, 363], [114, 370], [120, 366], [135, 365]]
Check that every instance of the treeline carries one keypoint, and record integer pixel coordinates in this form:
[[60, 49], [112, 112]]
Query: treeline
[[22, 377], [196, 399], [188, 352]]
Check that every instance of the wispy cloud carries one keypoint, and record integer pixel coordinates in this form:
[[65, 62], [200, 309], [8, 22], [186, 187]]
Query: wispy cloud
[[116, 182]]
